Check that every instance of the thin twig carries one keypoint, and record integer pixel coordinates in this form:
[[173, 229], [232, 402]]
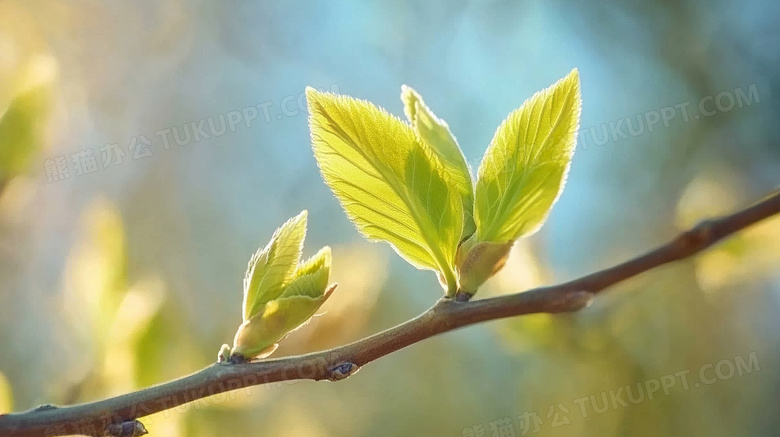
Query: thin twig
[[338, 363]]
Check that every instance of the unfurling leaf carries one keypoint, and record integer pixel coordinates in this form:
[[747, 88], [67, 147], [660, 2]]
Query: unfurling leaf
[[520, 177], [259, 336], [272, 267], [389, 181], [279, 293], [311, 277], [436, 134]]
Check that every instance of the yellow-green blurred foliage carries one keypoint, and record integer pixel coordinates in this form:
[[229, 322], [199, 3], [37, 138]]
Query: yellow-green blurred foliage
[[27, 73]]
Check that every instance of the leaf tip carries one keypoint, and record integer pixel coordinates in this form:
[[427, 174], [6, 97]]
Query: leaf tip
[[328, 291], [574, 78], [410, 98], [299, 220], [407, 92], [313, 97]]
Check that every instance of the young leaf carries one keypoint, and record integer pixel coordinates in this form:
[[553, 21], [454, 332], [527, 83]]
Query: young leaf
[[389, 183], [279, 293], [525, 167], [436, 134], [311, 277], [258, 336], [272, 267]]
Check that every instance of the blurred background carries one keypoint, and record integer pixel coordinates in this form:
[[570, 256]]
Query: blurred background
[[148, 148]]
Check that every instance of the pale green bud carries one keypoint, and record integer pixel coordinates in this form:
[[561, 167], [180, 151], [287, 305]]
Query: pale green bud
[[478, 261], [279, 293], [259, 336]]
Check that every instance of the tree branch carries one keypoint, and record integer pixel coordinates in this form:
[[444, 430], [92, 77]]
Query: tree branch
[[338, 363]]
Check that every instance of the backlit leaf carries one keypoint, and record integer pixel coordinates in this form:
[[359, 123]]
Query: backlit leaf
[[524, 169], [311, 277], [272, 267], [436, 134], [387, 180]]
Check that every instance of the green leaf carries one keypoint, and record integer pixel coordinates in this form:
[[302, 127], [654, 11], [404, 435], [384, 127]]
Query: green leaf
[[272, 267], [279, 293], [525, 167], [388, 181], [435, 133], [258, 336], [311, 277]]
